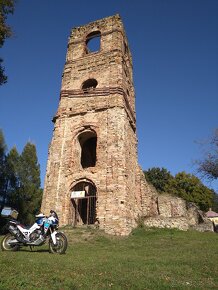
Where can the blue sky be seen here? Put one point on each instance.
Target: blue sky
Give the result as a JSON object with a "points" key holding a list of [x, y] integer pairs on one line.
{"points": [[174, 45]]}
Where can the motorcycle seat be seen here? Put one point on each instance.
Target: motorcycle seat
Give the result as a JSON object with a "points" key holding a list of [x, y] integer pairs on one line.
{"points": [[25, 226], [15, 222]]}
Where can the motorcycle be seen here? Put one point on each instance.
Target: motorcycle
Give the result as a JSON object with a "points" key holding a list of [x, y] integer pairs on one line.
{"points": [[44, 228]]}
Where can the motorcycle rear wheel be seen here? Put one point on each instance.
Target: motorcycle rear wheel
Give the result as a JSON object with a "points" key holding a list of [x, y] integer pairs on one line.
{"points": [[61, 245], [5, 243]]}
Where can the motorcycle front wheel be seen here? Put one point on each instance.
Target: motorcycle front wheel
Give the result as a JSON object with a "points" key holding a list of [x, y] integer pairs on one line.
{"points": [[61, 244], [5, 243]]}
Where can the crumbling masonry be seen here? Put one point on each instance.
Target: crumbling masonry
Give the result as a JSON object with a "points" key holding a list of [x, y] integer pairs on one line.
{"points": [[93, 176]]}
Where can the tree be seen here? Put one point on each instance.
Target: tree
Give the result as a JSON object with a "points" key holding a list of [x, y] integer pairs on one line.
{"points": [[20, 180], [3, 78], [30, 193], [209, 166], [158, 177], [6, 7], [184, 185], [215, 203], [3, 179], [12, 172], [190, 188]]}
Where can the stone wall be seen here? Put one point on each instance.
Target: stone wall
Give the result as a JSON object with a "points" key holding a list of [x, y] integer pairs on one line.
{"points": [[106, 110], [175, 212]]}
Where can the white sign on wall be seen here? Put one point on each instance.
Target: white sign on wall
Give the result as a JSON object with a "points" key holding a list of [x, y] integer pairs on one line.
{"points": [[78, 194]]}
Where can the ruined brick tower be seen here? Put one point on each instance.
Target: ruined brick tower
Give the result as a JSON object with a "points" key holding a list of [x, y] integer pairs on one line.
{"points": [[92, 171]]}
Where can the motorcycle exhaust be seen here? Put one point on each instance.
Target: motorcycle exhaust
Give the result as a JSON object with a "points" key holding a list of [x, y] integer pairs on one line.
{"points": [[13, 242]]}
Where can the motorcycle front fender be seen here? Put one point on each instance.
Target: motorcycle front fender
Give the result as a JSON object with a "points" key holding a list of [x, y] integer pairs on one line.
{"points": [[53, 237]]}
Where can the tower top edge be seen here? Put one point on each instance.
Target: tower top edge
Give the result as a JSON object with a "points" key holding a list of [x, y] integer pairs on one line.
{"points": [[109, 20]]}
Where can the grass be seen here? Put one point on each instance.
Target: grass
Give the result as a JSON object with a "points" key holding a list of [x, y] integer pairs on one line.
{"points": [[147, 259]]}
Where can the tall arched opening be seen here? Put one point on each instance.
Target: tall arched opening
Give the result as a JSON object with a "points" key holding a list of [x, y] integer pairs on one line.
{"points": [[88, 143], [83, 198]]}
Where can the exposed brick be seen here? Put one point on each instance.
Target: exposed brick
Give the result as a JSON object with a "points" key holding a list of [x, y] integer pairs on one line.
{"points": [[105, 111]]}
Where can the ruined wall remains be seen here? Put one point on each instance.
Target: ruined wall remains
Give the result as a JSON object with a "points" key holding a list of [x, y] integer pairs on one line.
{"points": [[174, 212], [93, 176], [97, 105]]}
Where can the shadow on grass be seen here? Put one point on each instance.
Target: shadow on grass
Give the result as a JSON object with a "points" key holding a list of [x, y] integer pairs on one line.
{"points": [[34, 250]]}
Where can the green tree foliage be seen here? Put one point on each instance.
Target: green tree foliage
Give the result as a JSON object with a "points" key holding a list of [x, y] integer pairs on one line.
{"points": [[158, 177], [3, 179], [209, 166], [13, 181], [215, 203], [3, 78], [6, 7], [191, 189], [29, 178], [20, 180], [184, 185]]}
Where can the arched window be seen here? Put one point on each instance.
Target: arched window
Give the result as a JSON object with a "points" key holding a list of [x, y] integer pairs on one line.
{"points": [[93, 42], [89, 85], [85, 207], [88, 143]]}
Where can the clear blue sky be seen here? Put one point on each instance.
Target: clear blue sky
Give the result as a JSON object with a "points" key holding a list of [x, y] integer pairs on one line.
{"points": [[174, 44]]}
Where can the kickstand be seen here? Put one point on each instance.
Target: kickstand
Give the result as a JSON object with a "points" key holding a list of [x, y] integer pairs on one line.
{"points": [[31, 248]]}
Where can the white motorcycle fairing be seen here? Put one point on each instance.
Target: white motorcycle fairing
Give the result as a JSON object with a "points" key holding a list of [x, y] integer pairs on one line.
{"points": [[27, 232]]}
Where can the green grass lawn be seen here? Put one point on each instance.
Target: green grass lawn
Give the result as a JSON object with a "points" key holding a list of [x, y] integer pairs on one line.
{"points": [[147, 259]]}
